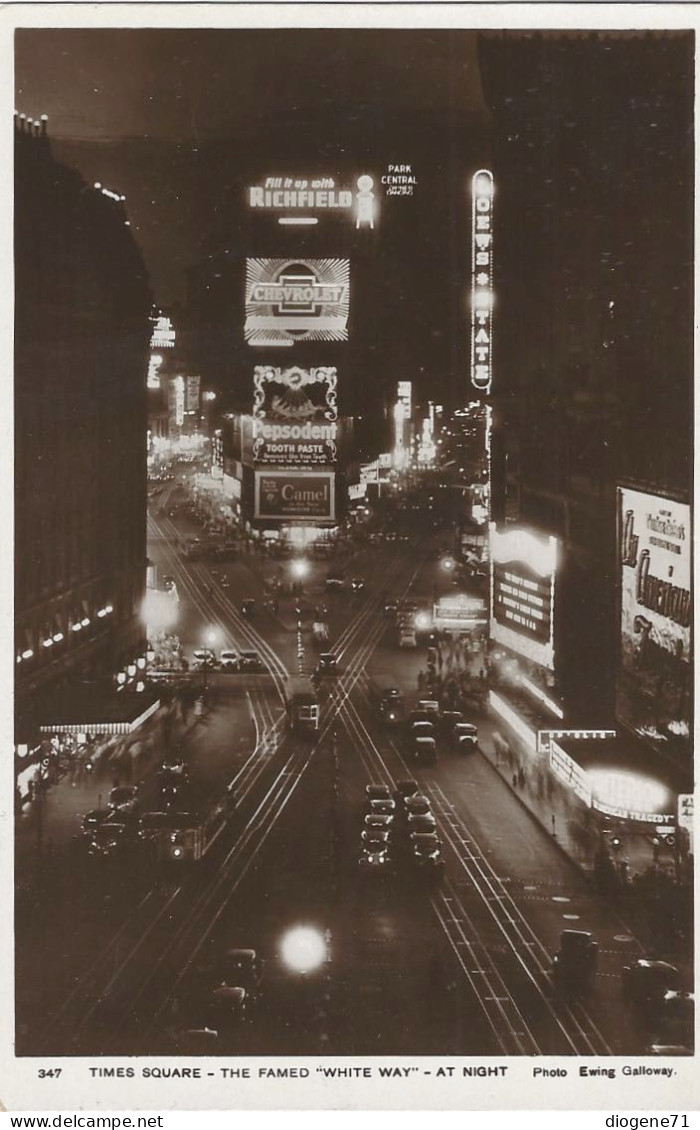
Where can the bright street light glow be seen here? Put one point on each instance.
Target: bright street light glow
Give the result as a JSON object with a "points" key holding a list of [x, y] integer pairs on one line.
{"points": [[303, 949], [422, 620], [299, 567]]}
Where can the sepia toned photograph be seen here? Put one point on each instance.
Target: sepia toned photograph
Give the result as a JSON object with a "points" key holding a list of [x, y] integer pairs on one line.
{"points": [[353, 432]]}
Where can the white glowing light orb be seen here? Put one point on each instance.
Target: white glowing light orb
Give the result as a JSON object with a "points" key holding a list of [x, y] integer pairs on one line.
{"points": [[299, 568], [303, 949], [422, 620]]}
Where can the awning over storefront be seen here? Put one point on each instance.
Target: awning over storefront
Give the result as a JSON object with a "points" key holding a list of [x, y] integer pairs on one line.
{"points": [[97, 712]]}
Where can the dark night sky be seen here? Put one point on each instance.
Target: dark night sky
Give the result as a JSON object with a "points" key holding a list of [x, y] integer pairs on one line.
{"points": [[140, 109]]}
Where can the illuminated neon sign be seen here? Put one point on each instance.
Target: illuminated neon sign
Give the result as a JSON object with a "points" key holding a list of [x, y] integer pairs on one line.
{"points": [[296, 300], [482, 280], [295, 393], [522, 593], [293, 195]]}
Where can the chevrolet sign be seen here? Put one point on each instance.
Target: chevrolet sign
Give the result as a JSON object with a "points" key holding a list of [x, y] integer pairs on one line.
{"points": [[296, 300]]}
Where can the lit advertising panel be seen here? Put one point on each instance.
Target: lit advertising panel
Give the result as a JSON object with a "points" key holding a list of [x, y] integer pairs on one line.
{"points": [[295, 394], [302, 200], [482, 280], [289, 445], [294, 495], [289, 300], [523, 568], [654, 573]]}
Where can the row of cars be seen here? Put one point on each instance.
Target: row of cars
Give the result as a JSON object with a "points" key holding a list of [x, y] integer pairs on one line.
{"points": [[217, 1002], [122, 823], [229, 659], [428, 727], [399, 832]]}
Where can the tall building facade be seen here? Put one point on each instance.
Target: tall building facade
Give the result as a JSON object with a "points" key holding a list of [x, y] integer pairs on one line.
{"points": [[593, 355], [82, 302]]}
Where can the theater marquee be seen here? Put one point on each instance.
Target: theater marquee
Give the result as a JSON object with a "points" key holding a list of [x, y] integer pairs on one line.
{"points": [[522, 603], [289, 300]]}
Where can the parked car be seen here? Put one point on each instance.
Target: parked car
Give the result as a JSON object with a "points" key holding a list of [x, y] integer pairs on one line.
{"points": [[229, 660], [203, 659], [249, 661]]}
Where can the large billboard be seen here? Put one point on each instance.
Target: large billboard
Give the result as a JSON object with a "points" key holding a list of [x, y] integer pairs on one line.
{"points": [[295, 495], [288, 444], [654, 574], [523, 570], [295, 394], [290, 300]]}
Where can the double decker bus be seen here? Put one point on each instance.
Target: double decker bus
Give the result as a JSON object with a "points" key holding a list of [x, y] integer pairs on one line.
{"points": [[302, 706]]}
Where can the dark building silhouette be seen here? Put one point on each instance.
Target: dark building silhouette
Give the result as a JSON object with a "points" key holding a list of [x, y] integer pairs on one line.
{"points": [[81, 351], [593, 342]]}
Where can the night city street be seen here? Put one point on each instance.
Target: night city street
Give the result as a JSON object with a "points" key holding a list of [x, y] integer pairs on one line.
{"points": [[353, 434]]}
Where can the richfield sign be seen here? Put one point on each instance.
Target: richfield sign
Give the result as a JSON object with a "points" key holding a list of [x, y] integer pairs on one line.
{"points": [[295, 395], [289, 496], [482, 280], [296, 300], [293, 196]]}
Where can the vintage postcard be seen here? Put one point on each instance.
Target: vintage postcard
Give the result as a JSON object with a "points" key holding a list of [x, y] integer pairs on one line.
{"points": [[352, 403]]}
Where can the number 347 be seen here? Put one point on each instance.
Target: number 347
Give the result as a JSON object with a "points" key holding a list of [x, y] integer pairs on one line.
{"points": [[49, 1072]]}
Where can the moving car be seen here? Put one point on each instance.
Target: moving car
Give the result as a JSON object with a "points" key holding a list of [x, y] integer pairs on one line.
{"points": [[375, 834], [405, 787], [107, 838], [426, 852], [335, 580], [95, 817], [327, 663], [574, 962], [465, 736], [375, 855], [647, 980], [382, 807], [379, 821], [357, 584], [417, 805], [240, 967], [151, 824], [378, 792], [124, 797], [248, 607], [423, 822]]}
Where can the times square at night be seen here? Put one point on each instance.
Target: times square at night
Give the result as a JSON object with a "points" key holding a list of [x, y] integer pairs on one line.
{"points": [[353, 432]]}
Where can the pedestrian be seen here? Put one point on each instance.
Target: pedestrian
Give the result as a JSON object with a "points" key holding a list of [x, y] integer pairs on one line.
{"points": [[521, 777], [515, 780]]}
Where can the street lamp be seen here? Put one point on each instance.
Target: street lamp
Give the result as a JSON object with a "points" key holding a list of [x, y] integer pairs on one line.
{"points": [[299, 568], [303, 949]]}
